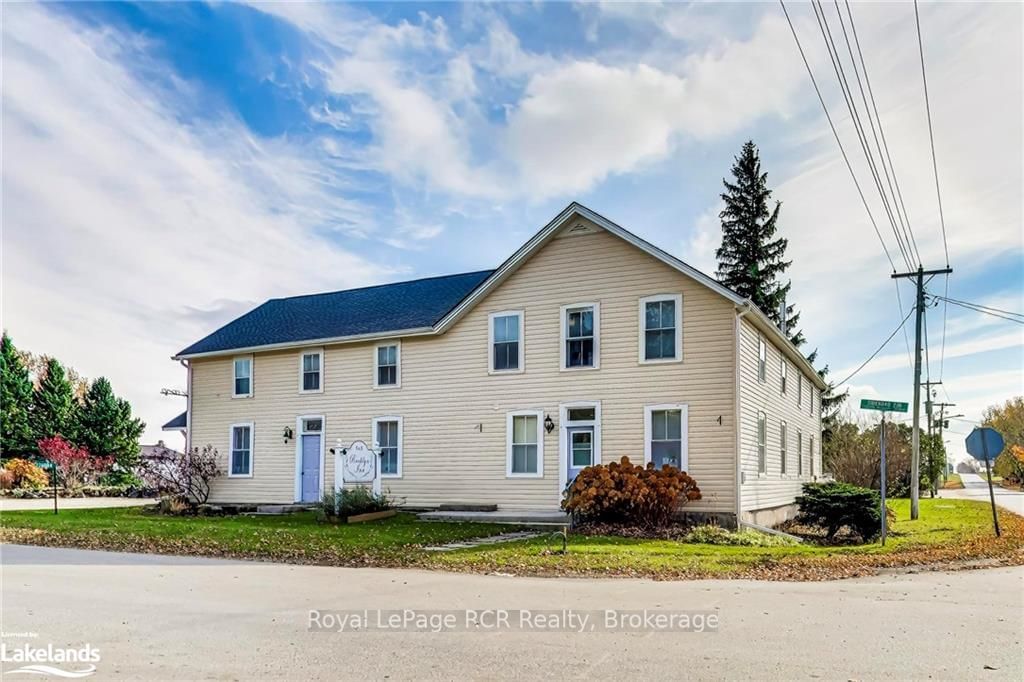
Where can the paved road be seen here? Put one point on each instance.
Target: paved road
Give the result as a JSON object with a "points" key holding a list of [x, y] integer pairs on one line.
{"points": [[177, 618], [976, 488], [11, 504]]}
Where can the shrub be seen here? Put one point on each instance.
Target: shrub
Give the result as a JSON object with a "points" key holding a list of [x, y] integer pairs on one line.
{"points": [[26, 475], [709, 534], [1010, 465], [76, 466], [185, 475], [625, 493], [342, 503], [836, 505], [6, 479]]}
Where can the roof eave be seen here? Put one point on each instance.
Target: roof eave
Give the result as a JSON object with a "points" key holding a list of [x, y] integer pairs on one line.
{"points": [[306, 343]]}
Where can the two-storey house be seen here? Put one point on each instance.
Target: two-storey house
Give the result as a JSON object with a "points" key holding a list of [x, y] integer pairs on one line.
{"points": [[498, 386]]}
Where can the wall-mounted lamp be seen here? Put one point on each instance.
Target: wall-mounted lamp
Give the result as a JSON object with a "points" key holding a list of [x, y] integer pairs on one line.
{"points": [[549, 425], [288, 434]]}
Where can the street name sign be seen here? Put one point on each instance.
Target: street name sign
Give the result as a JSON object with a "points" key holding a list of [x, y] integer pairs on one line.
{"points": [[883, 405]]}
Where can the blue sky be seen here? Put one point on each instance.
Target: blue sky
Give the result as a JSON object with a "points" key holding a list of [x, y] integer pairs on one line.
{"points": [[168, 166]]}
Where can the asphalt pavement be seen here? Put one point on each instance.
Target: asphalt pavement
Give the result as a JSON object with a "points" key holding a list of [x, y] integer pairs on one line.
{"points": [[155, 618]]}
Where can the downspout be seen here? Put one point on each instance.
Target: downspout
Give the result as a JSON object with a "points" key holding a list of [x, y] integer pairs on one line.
{"points": [[188, 404], [741, 310]]}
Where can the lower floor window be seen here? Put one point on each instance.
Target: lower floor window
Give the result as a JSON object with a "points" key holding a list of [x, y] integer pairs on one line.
{"points": [[667, 438], [524, 444], [388, 440], [241, 450]]}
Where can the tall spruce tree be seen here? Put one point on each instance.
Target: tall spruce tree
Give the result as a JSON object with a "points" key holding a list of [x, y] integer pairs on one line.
{"points": [[751, 259], [106, 426], [15, 402], [53, 404]]}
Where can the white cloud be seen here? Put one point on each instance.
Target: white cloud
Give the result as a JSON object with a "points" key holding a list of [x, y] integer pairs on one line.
{"points": [[120, 220]]}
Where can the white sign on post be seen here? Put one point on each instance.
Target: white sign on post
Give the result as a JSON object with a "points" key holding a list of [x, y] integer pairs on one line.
{"points": [[357, 464]]}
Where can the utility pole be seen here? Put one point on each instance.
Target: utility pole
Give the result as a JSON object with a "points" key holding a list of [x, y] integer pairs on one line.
{"points": [[929, 393], [915, 461], [942, 424]]}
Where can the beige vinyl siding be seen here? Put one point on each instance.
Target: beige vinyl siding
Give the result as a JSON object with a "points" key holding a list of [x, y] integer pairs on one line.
{"points": [[454, 412], [773, 488]]}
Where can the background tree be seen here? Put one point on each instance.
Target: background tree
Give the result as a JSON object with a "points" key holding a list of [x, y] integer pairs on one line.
{"points": [[16, 436], [53, 403], [36, 365], [1007, 419], [106, 427], [752, 260]]}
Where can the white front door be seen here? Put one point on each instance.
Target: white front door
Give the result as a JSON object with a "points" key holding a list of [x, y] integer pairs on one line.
{"points": [[581, 450]]}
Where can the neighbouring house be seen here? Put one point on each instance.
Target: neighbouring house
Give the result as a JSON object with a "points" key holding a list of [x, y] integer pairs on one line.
{"points": [[498, 386], [153, 458]]}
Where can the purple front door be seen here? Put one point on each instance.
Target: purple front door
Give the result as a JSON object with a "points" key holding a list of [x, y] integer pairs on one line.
{"points": [[311, 468]]}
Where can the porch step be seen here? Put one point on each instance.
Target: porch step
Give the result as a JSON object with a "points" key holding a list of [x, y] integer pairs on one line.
{"points": [[521, 518], [278, 509], [468, 507]]}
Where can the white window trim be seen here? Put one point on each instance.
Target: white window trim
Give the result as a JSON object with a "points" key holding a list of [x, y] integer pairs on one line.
{"points": [[539, 414], [810, 449], [783, 448], [311, 351], [762, 377], [490, 342], [401, 445], [252, 447], [800, 453], [684, 431], [800, 389], [299, 431], [252, 371], [759, 444], [641, 351], [563, 336], [783, 375], [397, 343], [563, 437]]}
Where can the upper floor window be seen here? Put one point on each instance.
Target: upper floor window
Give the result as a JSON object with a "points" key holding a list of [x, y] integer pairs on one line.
{"points": [[762, 359], [762, 442], [241, 450], [660, 333], [388, 366], [784, 369], [311, 371], [580, 328], [525, 444], [506, 341], [799, 390], [242, 384], [387, 439], [810, 401]]}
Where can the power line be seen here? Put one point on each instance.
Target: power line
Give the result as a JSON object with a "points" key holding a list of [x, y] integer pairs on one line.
{"points": [[945, 310], [980, 305], [982, 309], [881, 130], [844, 85], [839, 142], [906, 339], [879, 350], [931, 136]]}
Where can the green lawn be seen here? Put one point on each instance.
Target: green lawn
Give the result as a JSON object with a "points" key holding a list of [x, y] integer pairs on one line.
{"points": [[947, 531], [294, 537]]}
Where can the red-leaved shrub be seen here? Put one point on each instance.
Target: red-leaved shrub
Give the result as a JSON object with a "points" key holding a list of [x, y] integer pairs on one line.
{"points": [[626, 493], [76, 466]]}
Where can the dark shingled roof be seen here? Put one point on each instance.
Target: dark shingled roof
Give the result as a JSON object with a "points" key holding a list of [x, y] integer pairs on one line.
{"points": [[179, 422], [370, 310]]}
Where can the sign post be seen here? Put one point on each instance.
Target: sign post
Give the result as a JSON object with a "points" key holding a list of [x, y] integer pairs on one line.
{"points": [[883, 406], [985, 443]]}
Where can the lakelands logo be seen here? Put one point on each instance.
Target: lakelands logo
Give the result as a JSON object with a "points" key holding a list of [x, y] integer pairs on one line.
{"points": [[38, 660]]}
